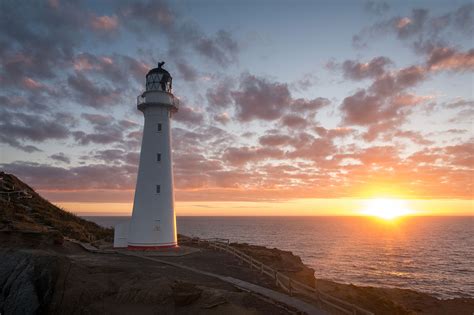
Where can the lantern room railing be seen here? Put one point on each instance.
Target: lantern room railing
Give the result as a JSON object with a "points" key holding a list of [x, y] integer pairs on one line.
{"points": [[141, 99]]}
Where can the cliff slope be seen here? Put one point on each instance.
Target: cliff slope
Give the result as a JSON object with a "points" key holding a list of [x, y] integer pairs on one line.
{"points": [[22, 209]]}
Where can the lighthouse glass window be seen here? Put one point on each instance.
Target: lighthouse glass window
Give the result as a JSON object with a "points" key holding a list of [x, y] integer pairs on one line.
{"points": [[158, 189], [153, 82], [159, 127]]}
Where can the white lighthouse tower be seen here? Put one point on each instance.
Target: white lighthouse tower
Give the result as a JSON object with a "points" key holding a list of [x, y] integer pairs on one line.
{"points": [[153, 223]]}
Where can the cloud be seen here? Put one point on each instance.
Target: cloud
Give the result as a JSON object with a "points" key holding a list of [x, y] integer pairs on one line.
{"points": [[379, 155], [101, 138], [294, 121], [362, 108], [223, 49], [445, 58], [37, 41], [97, 119], [223, 118], [188, 115], [92, 176], [421, 29], [106, 130], [274, 140], [393, 83], [407, 27], [258, 98], [312, 148], [376, 7], [181, 35], [219, 96], [115, 69], [104, 23], [461, 154], [301, 105], [109, 155], [243, 155], [61, 157], [187, 71], [384, 105], [16, 127], [357, 71], [90, 93], [458, 155], [31, 84], [463, 18], [139, 15], [460, 103], [339, 132]]}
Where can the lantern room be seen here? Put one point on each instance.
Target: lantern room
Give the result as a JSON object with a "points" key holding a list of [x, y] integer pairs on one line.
{"points": [[158, 79]]}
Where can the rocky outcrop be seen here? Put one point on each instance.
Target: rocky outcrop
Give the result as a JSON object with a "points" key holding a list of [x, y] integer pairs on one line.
{"points": [[378, 300], [27, 280], [283, 261]]}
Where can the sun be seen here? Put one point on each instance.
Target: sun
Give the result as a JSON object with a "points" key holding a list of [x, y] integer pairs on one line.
{"points": [[386, 208]]}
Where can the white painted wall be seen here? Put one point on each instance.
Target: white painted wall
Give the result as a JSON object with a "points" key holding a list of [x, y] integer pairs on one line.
{"points": [[153, 220], [121, 234]]}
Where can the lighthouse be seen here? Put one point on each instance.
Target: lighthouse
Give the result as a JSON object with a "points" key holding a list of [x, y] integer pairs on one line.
{"points": [[153, 222]]}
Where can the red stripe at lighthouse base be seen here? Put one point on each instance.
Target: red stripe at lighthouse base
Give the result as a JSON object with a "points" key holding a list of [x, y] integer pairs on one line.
{"points": [[149, 248]]}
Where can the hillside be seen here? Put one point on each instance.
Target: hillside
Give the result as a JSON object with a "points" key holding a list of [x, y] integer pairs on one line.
{"points": [[22, 209]]}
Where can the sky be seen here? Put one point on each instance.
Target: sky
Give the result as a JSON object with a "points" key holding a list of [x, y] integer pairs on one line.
{"points": [[286, 107]]}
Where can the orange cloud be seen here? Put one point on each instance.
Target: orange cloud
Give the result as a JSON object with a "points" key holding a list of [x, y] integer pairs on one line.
{"points": [[105, 23], [445, 58]]}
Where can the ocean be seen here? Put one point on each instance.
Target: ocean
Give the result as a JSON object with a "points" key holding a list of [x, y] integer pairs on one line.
{"points": [[427, 254]]}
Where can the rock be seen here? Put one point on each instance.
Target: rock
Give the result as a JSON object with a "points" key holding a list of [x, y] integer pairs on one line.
{"points": [[26, 282], [145, 292], [185, 293]]}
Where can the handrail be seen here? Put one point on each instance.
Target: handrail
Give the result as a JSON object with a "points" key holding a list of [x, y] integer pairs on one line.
{"points": [[285, 282], [141, 100]]}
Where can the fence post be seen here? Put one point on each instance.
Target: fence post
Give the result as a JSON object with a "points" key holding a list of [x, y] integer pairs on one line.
{"points": [[276, 278]]}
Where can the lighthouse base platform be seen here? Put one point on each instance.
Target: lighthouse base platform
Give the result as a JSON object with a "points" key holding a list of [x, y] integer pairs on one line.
{"points": [[170, 252], [121, 241], [157, 247]]}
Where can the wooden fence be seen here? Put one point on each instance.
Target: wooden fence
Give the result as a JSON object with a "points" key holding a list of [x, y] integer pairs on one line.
{"points": [[283, 281]]}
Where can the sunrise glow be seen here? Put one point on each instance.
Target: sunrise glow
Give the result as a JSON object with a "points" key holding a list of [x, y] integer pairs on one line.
{"points": [[386, 208], [310, 117]]}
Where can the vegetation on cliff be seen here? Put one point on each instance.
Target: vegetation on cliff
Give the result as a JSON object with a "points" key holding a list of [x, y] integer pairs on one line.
{"points": [[22, 209]]}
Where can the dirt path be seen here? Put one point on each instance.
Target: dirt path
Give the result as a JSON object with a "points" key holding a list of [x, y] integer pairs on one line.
{"points": [[271, 294]]}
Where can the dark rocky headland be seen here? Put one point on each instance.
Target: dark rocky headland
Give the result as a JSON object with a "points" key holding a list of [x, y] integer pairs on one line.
{"points": [[42, 272]]}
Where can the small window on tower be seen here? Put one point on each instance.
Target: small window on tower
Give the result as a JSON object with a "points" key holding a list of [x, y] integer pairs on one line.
{"points": [[158, 189], [159, 128], [158, 157]]}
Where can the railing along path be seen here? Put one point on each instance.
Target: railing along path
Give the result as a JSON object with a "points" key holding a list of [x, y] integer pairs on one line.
{"points": [[283, 281]]}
